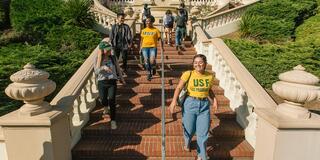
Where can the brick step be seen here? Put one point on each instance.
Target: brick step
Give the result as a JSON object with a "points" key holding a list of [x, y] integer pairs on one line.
{"points": [[169, 51], [166, 61], [156, 88], [135, 73], [155, 112], [152, 127], [151, 100], [166, 56], [150, 146], [181, 66], [167, 48], [156, 79]]}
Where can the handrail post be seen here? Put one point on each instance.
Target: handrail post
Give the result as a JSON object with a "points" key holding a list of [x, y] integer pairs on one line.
{"points": [[163, 144]]}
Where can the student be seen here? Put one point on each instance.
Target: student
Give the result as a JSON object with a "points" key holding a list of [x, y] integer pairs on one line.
{"points": [[149, 39], [196, 107], [107, 69], [121, 39], [181, 25], [168, 21]]}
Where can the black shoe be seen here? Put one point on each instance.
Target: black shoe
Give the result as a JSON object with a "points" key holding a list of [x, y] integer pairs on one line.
{"points": [[149, 77], [177, 47], [154, 71]]}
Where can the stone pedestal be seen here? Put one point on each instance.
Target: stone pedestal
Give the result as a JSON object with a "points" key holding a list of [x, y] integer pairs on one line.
{"points": [[35, 131], [279, 137], [290, 131], [43, 137]]}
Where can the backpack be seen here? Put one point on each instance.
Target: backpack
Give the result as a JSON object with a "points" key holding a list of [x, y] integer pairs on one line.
{"points": [[181, 21], [168, 20]]}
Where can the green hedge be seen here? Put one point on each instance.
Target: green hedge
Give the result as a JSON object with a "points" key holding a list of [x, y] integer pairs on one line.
{"points": [[266, 62], [58, 46], [309, 32], [274, 20], [35, 17]]}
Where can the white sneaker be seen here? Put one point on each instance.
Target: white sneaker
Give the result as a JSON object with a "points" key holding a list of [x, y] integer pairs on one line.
{"points": [[113, 125]]}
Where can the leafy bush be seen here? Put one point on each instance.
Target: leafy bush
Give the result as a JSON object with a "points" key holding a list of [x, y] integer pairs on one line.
{"points": [[71, 38], [77, 12], [309, 32], [63, 47], [266, 62], [35, 17], [263, 28], [275, 21]]}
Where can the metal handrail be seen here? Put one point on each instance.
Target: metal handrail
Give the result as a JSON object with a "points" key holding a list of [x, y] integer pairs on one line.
{"points": [[163, 114]]}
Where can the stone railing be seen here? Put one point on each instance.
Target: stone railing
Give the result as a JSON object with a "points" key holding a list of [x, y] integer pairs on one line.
{"points": [[224, 22], [240, 87], [109, 3], [77, 97], [104, 17], [200, 2]]}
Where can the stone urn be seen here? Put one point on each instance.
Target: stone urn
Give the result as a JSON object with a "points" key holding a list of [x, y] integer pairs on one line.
{"points": [[128, 11], [31, 85], [195, 11], [296, 88]]}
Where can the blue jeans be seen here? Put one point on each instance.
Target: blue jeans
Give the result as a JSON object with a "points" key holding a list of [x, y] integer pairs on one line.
{"points": [[180, 33], [149, 53], [196, 118]]}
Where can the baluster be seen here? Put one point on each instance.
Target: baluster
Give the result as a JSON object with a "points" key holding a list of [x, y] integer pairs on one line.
{"points": [[104, 23], [227, 81], [84, 108], [77, 118]]}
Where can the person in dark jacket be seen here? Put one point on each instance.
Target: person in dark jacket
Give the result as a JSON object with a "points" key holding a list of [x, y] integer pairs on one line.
{"points": [[121, 39]]}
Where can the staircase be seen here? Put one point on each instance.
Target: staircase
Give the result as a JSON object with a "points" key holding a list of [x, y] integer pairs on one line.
{"points": [[138, 135]]}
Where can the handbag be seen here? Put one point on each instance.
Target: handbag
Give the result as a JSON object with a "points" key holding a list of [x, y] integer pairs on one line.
{"points": [[184, 93]]}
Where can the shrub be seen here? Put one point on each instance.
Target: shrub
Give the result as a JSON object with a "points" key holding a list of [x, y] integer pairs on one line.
{"points": [[266, 62], [35, 17], [275, 21], [309, 32], [77, 12], [68, 38], [265, 28]]}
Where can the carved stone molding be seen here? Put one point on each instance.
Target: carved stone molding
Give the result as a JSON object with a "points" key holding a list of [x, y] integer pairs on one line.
{"points": [[31, 85]]}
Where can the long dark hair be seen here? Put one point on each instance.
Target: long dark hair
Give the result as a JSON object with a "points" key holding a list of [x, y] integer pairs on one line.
{"points": [[203, 57]]}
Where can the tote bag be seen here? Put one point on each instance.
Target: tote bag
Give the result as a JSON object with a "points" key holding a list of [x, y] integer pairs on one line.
{"points": [[184, 93]]}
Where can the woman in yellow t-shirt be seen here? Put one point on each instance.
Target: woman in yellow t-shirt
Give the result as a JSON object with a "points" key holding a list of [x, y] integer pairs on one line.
{"points": [[149, 39], [196, 107]]}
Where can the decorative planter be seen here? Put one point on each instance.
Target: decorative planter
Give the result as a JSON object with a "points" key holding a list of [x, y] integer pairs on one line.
{"points": [[296, 88], [31, 85]]}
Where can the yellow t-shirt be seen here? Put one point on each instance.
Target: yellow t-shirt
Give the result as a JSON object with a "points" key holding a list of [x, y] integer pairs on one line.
{"points": [[150, 37], [199, 84]]}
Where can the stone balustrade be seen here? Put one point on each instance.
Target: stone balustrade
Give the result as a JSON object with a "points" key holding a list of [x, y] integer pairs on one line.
{"points": [[200, 2], [224, 22], [105, 17], [240, 87]]}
